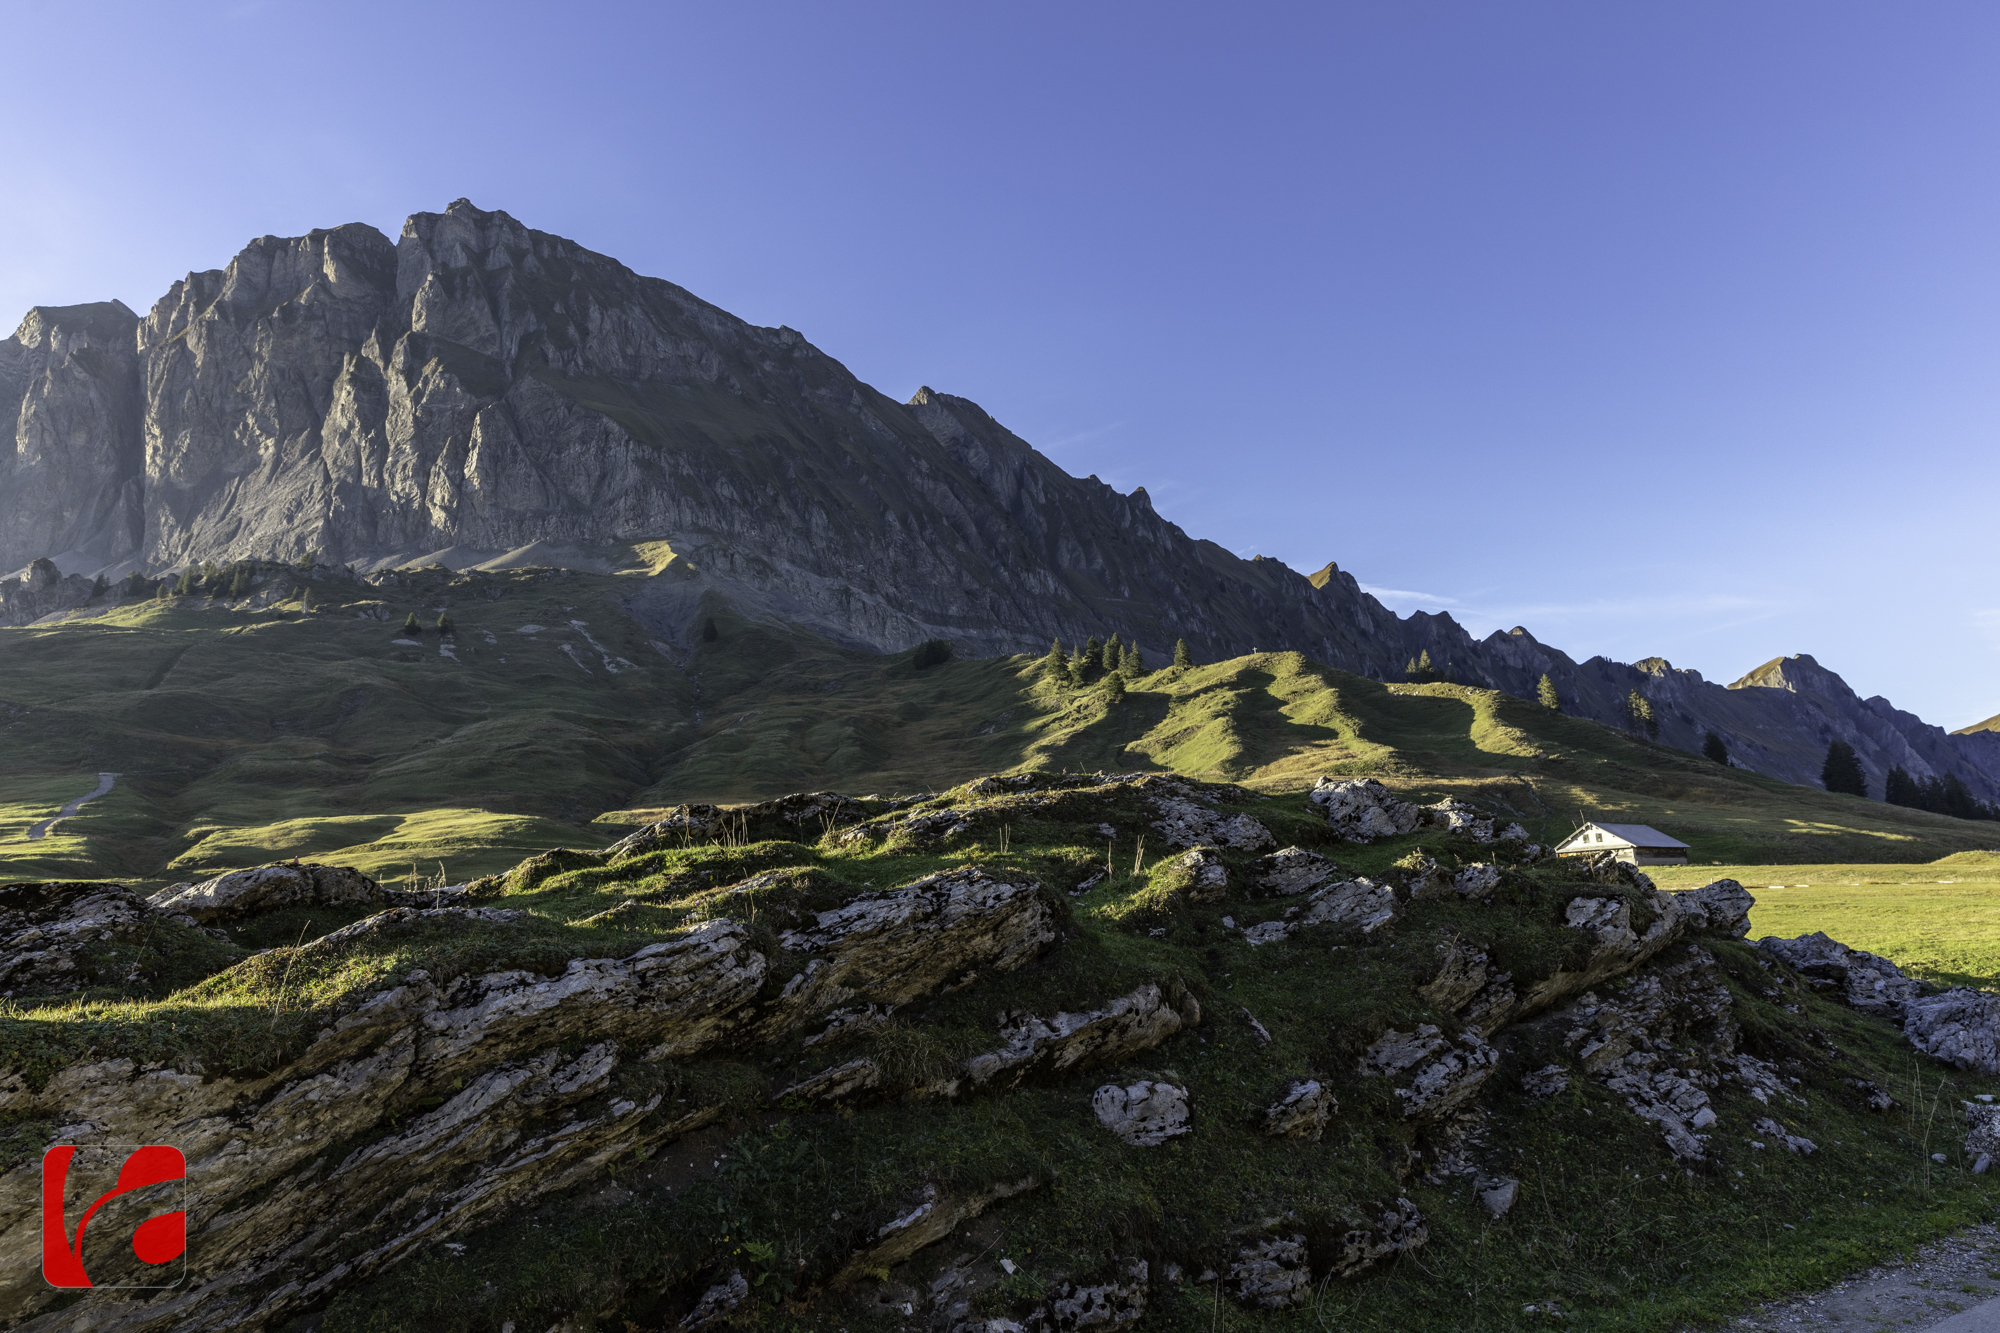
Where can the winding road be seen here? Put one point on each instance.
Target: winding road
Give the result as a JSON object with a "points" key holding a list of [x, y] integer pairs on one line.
{"points": [[105, 782]]}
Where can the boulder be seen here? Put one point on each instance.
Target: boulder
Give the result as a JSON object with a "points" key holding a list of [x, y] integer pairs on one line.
{"points": [[1462, 973], [1184, 823], [1292, 871], [1201, 872], [1358, 902], [1302, 1113], [1123, 1028], [242, 893], [1272, 1274], [1871, 984], [1145, 1115], [1960, 1026], [718, 1304], [682, 826], [1498, 1196], [1101, 1305], [1718, 908], [1435, 1075], [1396, 1229], [894, 945], [1670, 1099], [1771, 1129], [1455, 816], [1362, 809]]}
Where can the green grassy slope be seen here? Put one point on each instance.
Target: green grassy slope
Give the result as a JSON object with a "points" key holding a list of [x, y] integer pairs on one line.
{"points": [[244, 734]]}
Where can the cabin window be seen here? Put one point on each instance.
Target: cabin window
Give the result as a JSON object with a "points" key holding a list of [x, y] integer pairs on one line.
{"points": [[1600, 838]]}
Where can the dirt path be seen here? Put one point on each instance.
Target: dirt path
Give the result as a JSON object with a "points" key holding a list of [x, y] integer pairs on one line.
{"points": [[1959, 1273], [105, 782]]}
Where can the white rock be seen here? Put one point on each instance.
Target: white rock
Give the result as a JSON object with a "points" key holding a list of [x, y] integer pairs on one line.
{"points": [[1362, 809], [1272, 1274], [1146, 1114], [1302, 1113]]}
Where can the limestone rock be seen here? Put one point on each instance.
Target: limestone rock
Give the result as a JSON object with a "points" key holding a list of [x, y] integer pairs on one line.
{"points": [[1462, 973], [1427, 879], [242, 893], [1399, 1227], [1670, 1099], [1272, 1274], [1102, 1305], [1718, 908], [1358, 902], [1129, 1024], [1498, 1196], [682, 826], [840, 1083], [1292, 871], [1869, 983], [1961, 1027], [1202, 871], [934, 1217], [1145, 1115], [1362, 809], [1455, 816], [1184, 823], [62, 936], [1435, 1076], [1475, 880], [897, 944], [1302, 1113], [1982, 1129], [718, 1303]]}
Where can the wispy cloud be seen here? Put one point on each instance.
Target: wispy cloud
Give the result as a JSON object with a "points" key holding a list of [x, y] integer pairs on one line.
{"points": [[1084, 436]]}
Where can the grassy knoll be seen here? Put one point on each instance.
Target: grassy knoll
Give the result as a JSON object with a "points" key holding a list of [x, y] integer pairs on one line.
{"points": [[553, 715]]}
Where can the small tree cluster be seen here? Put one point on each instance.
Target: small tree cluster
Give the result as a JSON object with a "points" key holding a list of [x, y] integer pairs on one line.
{"points": [[1842, 770], [1094, 662], [1713, 747], [1941, 795], [1419, 670], [1639, 715], [930, 653]]}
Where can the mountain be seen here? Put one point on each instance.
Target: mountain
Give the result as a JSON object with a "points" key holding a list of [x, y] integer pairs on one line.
{"points": [[480, 394]]}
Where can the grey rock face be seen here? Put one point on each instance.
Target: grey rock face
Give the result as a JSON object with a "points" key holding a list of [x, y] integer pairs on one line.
{"points": [[243, 893], [1292, 870], [1302, 1113], [1145, 1114], [1435, 1076], [1272, 1274], [1866, 981], [1102, 1305], [1398, 1228], [1723, 908], [1204, 873], [1183, 823], [1122, 1028], [1960, 1027], [1362, 809]]}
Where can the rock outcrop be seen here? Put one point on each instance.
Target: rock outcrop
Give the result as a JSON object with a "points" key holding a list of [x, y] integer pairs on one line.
{"points": [[1144, 1114]]}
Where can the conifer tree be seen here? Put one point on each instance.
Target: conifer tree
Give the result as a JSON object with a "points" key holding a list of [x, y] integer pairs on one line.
{"points": [[1114, 687], [1080, 665], [186, 586], [1093, 652], [445, 625], [1546, 696], [100, 586], [1114, 654], [1712, 746], [1639, 714], [1055, 666], [410, 626], [1182, 657], [1410, 669], [239, 584], [1135, 663], [1842, 770], [1899, 788]]}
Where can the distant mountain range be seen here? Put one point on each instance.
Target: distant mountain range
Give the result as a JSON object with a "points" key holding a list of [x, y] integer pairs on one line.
{"points": [[480, 393]]}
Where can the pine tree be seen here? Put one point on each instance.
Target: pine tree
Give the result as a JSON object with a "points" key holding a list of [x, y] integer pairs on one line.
{"points": [[186, 586], [1080, 664], [1639, 714], [411, 629], [1422, 671], [1114, 687], [1410, 669], [1712, 746], [1135, 663], [1899, 788], [1842, 770], [239, 584], [100, 586], [1055, 666], [1093, 652], [445, 625], [1182, 657], [1546, 696]]}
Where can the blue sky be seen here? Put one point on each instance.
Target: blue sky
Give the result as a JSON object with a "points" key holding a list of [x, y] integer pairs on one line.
{"points": [[1663, 329]]}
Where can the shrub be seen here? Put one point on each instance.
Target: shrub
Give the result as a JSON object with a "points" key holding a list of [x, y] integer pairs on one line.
{"points": [[930, 653]]}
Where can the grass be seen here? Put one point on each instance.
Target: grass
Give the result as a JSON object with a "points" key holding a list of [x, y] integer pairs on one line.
{"points": [[1607, 1225], [249, 731], [1939, 920]]}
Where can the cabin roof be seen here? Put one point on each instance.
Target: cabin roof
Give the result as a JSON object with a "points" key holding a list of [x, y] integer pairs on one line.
{"points": [[1638, 835]]}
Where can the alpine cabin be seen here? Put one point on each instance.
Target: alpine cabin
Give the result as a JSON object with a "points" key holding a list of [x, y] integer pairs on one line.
{"points": [[1634, 844]]}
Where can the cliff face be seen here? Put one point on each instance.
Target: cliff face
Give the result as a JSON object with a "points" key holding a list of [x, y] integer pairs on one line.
{"points": [[477, 387]]}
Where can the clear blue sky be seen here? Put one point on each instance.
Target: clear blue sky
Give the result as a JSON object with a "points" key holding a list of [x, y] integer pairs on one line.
{"points": [[1660, 329]]}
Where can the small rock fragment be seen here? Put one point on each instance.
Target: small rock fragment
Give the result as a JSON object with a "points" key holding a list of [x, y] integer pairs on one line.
{"points": [[717, 1303], [1498, 1195]]}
